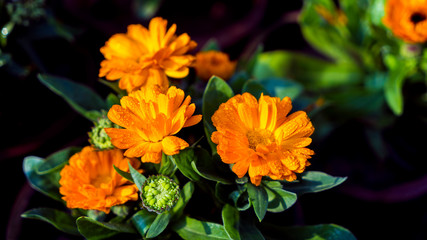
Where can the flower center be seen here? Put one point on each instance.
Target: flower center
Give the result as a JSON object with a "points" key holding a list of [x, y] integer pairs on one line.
{"points": [[259, 136], [105, 178], [417, 17]]}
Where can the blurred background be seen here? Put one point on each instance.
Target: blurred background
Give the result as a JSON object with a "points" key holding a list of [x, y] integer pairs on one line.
{"points": [[384, 196]]}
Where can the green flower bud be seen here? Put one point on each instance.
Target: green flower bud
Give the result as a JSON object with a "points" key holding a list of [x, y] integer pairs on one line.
{"points": [[98, 137], [159, 194]]}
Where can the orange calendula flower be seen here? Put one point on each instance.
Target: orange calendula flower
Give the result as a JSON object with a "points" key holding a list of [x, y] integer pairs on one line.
{"points": [[259, 138], [90, 181], [407, 19], [150, 118], [214, 63], [144, 57]]}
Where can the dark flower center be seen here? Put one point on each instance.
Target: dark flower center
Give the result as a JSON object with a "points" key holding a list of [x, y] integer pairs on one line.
{"points": [[417, 17]]}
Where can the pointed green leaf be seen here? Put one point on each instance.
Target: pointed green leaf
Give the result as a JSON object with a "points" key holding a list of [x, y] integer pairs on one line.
{"points": [[217, 91], [45, 183], [83, 99], [394, 84], [231, 221], [137, 177], [111, 100], [94, 230], [212, 168], [255, 88], [249, 231], [185, 196], [193, 229], [313, 181], [238, 80], [159, 224], [60, 220], [167, 166], [122, 173], [259, 199], [318, 232], [142, 220], [183, 161], [57, 160], [278, 199]]}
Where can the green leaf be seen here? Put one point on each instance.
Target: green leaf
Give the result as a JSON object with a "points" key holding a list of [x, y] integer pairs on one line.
{"points": [[183, 161], [190, 228], [217, 91], [57, 160], [312, 72], [331, 40], [46, 183], [212, 168], [142, 220], [238, 80], [278, 199], [93, 230], [249, 231], [146, 9], [211, 44], [273, 86], [167, 166], [159, 224], [313, 181], [60, 220], [394, 84], [137, 177], [124, 174], [185, 196], [83, 99], [315, 232], [255, 88], [111, 100], [231, 221], [259, 199]]}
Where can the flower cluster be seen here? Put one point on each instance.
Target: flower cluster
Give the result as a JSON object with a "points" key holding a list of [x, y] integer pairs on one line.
{"points": [[143, 160]]}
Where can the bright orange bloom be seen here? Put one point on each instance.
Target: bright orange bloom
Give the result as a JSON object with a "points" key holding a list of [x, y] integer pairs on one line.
{"points": [[144, 57], [151, 118], [259, 137], [214, 63], [89, 181], [407, 19]]}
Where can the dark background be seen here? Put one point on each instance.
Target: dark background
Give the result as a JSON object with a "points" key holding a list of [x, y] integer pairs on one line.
{"points": [[382, 199]]}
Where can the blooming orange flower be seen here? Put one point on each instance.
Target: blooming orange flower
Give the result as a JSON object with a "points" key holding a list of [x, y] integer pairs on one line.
{"points": [[407, 19], [89, 181], [214, 63], [143, 57], [151, 118], [259, 137]]}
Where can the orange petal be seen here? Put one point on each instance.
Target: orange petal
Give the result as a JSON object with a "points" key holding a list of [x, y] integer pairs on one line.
{"points": [[171, 145], [123, 138]]}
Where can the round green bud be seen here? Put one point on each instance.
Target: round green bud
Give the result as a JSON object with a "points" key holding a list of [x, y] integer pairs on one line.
{"points": [[98, 137], [160, 193]]}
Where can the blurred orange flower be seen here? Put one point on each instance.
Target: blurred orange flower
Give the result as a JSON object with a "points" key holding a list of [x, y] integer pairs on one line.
{"points": [[89, 181], [407, 19], [259, 137], [143, 57], [151, 118], [214, 63]]}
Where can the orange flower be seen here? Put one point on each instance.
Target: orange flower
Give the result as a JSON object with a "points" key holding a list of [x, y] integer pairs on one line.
{"points": [[407, 19], [258, 137], [144, 57], [151, 118], [91, 182], [214, 63]]}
